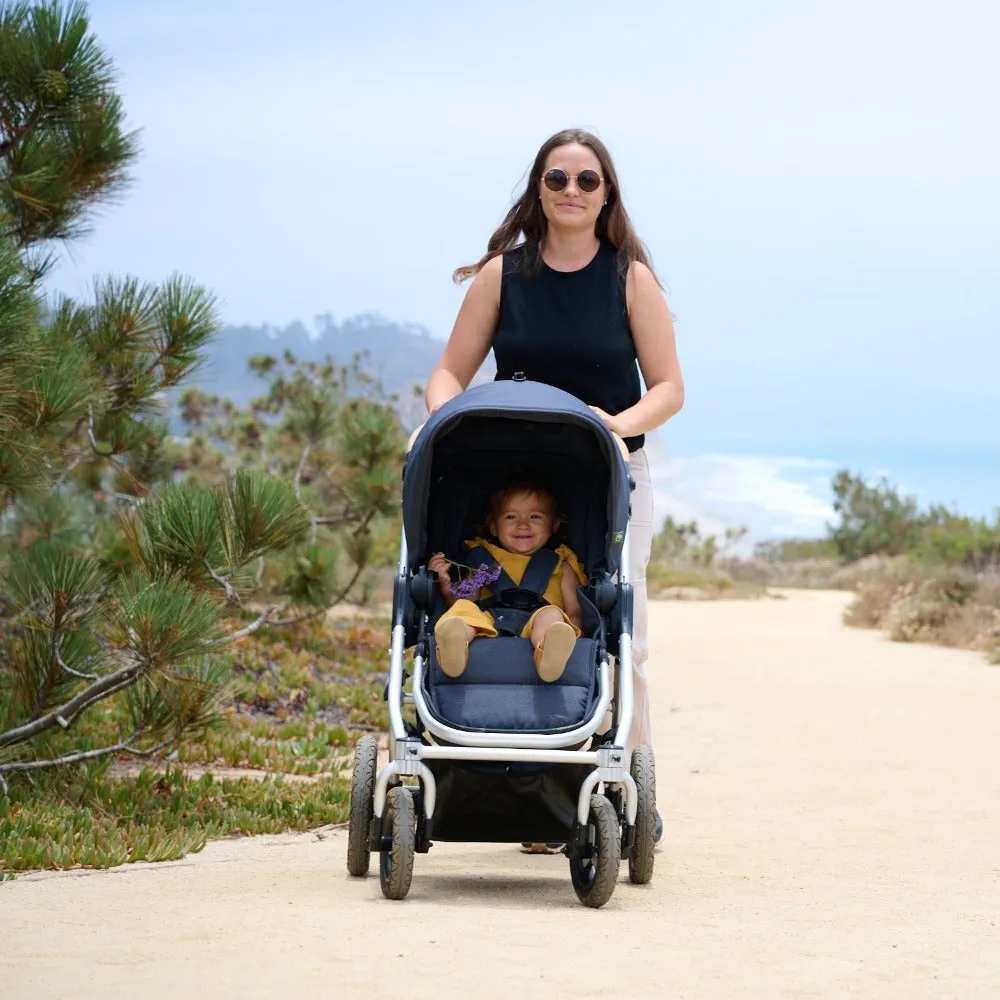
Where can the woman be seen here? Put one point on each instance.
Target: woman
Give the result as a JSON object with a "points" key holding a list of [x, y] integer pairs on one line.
{"points": [[576, 305]]}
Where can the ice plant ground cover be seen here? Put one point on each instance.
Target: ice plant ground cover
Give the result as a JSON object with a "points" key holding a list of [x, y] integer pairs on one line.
{"points": [[297, 700]]}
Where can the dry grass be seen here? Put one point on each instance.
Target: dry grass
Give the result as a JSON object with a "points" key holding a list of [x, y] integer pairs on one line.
{"points": [[799, 574], [805, 574], [753, 578], [687, 583], [944, 606]]}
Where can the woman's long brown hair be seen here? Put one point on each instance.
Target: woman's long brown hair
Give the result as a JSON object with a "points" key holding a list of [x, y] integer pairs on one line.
{"points": [[526, 216]]}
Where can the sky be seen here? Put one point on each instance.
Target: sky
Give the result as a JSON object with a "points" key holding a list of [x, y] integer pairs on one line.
{"points": [[816, 182]]}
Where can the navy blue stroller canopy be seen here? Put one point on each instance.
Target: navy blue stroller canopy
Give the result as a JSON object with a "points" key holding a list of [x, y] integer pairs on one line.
{"points": [[507, 431]]}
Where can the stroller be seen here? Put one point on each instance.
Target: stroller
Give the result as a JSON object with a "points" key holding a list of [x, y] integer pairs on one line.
{"points": [[497, 755]]}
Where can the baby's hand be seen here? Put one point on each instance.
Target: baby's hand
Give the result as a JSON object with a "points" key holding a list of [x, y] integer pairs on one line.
{"points": [[438, 564]]}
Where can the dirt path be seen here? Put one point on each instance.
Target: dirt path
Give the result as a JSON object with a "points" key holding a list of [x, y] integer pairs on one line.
{"points": [[832, 803]]}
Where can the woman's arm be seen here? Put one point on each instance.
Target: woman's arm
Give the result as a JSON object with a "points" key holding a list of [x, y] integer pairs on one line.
{"points": [[656, 350], [471, 337]]}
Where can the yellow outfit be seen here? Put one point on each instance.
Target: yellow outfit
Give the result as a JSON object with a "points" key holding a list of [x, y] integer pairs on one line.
{"points": [[514, 564]]}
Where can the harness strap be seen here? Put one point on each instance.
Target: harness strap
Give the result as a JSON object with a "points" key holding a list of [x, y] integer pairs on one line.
{"points": [[539, 571], [534, 582], [503, 581]]}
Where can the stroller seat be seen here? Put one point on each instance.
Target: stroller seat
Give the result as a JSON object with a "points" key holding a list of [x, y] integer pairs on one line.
{"points": [[500, 690]]}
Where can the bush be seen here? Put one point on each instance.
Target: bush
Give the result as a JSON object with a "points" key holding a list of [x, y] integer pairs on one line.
{"points": [[951, 539], [874, 519], [951, 607], [686, 564]]}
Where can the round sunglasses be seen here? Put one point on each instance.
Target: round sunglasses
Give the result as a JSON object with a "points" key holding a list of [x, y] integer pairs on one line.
{"points": [[586, 180]]}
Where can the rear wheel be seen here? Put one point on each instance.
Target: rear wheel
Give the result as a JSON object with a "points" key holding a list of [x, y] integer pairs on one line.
{"points": [[362, 803], [400, 823], [594, 870], [640, 862]]}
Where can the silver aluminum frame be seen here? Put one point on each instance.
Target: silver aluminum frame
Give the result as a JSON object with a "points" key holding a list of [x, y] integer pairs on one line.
{"points": [[408, 754]]}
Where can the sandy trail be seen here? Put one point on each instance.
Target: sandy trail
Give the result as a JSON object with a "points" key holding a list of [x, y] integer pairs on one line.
{"points": [[832, 806]]}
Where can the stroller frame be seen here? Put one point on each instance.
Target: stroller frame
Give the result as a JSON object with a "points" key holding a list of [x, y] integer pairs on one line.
{"points": [[392, 808], [409, 753]]}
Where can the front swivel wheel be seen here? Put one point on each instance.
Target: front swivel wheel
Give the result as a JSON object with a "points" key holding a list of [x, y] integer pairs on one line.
{"points": [[593, 866], [396, 859]]}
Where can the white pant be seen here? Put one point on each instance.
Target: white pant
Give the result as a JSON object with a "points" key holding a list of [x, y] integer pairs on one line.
{"points": [[640, 544]]}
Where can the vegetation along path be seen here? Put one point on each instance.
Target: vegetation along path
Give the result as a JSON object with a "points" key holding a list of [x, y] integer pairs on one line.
{"points": [[831, 803]]}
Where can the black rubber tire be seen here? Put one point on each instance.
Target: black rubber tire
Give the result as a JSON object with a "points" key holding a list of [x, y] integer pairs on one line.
{"points": [[362, 802], [641, 861], [594, 878], [396, 865]]}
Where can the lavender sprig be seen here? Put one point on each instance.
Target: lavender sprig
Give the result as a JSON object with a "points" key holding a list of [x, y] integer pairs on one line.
{"points": [[482, 576]]}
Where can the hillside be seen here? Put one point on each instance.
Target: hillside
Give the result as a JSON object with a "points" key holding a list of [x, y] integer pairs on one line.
{"points": [[399, 355]]}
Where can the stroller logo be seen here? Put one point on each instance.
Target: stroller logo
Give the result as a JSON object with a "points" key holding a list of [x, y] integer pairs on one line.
{"points": [[619, 537]]}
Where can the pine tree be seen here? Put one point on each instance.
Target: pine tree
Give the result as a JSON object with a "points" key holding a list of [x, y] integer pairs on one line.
{"points": [[63, 147], [116, 579], [330, 431]]}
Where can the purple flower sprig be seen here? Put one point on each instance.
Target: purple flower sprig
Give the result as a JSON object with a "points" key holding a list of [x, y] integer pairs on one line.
{"points": [[478, 578]]}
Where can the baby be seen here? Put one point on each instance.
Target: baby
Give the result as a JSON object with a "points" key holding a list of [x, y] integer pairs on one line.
{"points": [[522, 519]]}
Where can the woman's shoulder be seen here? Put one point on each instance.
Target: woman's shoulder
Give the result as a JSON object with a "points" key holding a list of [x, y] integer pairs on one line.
{"points": [[491, 272], [640, 283]]}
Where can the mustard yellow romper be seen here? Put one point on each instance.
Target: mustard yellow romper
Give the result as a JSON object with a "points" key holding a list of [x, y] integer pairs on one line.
{"points": [[514, 564]]}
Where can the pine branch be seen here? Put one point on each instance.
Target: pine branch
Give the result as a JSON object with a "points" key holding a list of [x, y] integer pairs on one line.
{"points": [[252, 627], [71, 434], [302, 618], [21, 132], [350, 586], [66, 714], [93, 440], [69, 670], [334, 521], [111, 457], [297, 481], [68, 470], [322, 611], [123, 746], [223, 581]]}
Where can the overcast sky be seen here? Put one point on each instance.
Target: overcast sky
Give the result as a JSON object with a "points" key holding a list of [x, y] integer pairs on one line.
{"points": [[816, 181]]}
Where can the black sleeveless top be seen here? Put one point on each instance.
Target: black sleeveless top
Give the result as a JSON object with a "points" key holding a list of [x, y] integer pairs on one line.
{"points": [[569, 329]]}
